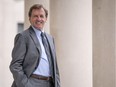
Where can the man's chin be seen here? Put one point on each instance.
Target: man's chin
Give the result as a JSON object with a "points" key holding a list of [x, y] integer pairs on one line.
{"points": [[40, 28]]}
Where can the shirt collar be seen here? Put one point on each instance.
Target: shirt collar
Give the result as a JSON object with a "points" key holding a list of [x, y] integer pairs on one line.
{"points": [[37, 31]]}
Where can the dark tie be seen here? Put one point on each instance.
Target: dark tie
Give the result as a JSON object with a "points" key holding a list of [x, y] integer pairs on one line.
{"points": [[47, 50]]}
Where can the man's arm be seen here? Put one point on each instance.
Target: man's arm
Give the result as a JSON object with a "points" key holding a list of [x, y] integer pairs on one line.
{"points": [[57, 70], [16, 66]]}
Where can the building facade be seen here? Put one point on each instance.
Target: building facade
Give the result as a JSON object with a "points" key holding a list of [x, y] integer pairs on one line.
{"points": [[11, 21], [84, 32]]}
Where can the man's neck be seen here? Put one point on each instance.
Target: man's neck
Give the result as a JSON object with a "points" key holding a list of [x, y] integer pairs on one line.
{"points": [[42, 30]]}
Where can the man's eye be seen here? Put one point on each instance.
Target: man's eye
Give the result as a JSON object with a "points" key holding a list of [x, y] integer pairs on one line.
{"points": [[35, 16], [41, 16]]}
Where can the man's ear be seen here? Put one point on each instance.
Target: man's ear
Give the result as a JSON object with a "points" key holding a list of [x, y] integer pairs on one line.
{"points": [[46, 19], [29, 19]]}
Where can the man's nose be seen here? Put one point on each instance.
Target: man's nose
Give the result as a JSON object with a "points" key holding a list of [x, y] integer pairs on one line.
{"points": [[38, 18]]}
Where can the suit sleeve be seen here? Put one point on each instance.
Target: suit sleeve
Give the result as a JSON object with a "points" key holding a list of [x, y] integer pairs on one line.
{"points": [[57, 76], [57, 70], [18, 55]]}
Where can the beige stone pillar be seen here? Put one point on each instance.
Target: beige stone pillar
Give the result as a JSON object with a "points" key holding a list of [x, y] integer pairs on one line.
{"points": [[115, 42], [71, 25], [104, 43], [28, 4]]}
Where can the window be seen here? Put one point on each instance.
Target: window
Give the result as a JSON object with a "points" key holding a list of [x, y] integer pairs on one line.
{"points": [[20, 27]]}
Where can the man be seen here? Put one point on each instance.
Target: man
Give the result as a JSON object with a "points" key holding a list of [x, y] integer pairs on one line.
{"points": [[33, 57]]}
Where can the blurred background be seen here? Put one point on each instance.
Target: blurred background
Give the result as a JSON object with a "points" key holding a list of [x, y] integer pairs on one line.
{"points": [[84, 32], [11, 22]]}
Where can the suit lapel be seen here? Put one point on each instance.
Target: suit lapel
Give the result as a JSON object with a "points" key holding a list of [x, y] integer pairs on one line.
{"points": [[52, 49], [50, 42], [34, 38]]}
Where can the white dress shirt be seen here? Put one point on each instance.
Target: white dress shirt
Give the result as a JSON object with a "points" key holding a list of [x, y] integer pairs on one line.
{"points": [[43, 67]]}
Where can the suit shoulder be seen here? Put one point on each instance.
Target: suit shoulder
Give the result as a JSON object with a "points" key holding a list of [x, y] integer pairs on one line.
{"points": [[49, 35], [24, 33]]}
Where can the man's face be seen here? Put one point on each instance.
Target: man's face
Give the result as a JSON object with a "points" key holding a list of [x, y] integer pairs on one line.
{"points": [[38, 18]]}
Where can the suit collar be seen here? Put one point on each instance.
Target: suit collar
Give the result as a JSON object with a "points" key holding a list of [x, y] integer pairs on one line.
{"points": [[49, 38], [50, 41], [34, 38]]}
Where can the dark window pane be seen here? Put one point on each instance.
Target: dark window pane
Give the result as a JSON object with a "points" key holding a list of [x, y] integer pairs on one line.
{"points": [[20, 27]]}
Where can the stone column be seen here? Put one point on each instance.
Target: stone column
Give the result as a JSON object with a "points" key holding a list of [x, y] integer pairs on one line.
{"points": [[28, 4], [71, 25], [104, 43]]}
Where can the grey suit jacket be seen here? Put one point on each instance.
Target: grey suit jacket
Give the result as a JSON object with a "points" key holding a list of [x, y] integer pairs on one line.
{"points": [[25, 58]]}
